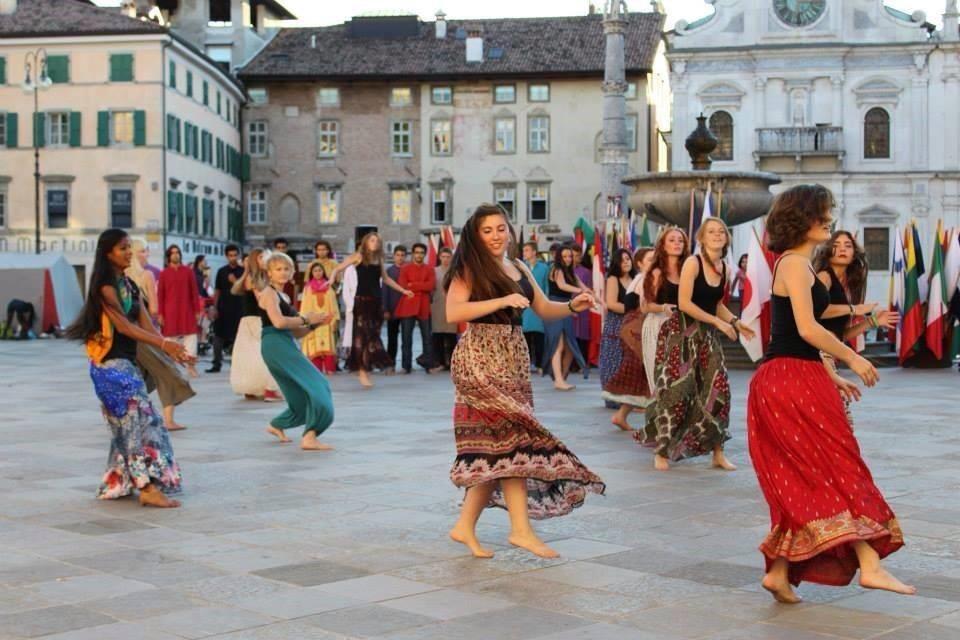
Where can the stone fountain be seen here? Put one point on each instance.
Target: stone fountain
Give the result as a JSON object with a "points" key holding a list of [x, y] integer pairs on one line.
{"points": [[665, 197]]}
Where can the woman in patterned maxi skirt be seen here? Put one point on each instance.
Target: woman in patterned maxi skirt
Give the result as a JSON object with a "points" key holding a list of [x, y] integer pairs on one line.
{"points": [[827, 517], [505, 457], [113, 321]]}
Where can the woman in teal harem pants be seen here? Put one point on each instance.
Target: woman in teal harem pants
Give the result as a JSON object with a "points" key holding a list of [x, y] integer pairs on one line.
{"points": [[306, 390]]}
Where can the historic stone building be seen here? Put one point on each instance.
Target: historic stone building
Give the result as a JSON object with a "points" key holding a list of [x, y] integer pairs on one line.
{"points": [[407, 125], [849, 93]]}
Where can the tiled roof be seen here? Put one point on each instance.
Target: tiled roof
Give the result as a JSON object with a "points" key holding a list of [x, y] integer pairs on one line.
{"points": [[561, 46], [69, 17]]}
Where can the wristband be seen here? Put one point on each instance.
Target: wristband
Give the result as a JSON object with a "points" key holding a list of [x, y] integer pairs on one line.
{"points": [[570, 306], [852, 310], [304, 320]]}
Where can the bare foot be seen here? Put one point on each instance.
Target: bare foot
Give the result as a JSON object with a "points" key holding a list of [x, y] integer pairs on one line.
{"points": [[780, 590], [720, 461], [192, 371], [469, 538], [278, 434], [365, 379], [150, 496], [660, 463], [250, 396], [882, 579], [533, 544], [563, 386], [174, 426], [309, 442], [620, 422]]}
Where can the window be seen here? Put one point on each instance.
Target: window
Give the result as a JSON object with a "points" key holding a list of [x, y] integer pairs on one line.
{"points": [[506, 198], [58, 129], [172, 71], [328, 138], [257, 206], [257, 138], [189, 84], [3, 129], [328, 204], [121, 208], [538, 203], [3, 208], [58, 200], [401, 97], [206, 93], [538, 93], [441, 137], [400, 138], [221, 54], [58, 68], [121, 127], [257, 96], [329, 97], [631, 93], [441, 95], [876, 244], [505, 135], [220, 12], [631, 125], [504, 93], [121, 67], [876, 134], [721, 125], [439, 211], [219, 99], [538, 130], [400, 206]]}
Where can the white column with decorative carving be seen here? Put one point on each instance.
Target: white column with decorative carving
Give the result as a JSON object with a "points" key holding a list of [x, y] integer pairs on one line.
{"points": [[951, 125], [837, 117], [680, 83], [919, 120], [613, 147]]}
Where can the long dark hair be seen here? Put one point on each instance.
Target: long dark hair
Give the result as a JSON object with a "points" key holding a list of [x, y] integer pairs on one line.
{"points": [[661, 259], [616, 260], [856, 277], [88, 322], [477, 267], [170, 249], [569, 275]]}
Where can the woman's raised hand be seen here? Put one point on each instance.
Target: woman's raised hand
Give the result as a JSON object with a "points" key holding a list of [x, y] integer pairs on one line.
{"points": [[514, 301], [583, 301]]}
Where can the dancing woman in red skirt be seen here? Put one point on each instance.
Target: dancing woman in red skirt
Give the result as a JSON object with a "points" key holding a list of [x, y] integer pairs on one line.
{"points": [[827, 516]]}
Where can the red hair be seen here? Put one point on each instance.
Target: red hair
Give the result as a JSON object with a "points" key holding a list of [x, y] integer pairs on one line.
{"points": [[660, 261]]}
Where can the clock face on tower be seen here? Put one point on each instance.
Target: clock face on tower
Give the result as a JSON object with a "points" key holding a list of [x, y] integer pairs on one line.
{"points": [[799, 13]]}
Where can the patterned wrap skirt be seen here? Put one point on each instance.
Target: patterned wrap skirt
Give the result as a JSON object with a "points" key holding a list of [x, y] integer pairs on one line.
{"points": [[140, 450], [622, 374], [555, 331], [366, 347], [821, 495], [248, 372], [690, 413], [496, 432]]}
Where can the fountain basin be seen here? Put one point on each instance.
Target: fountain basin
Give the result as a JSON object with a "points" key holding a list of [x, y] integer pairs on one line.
{"points": [[665, 197]]}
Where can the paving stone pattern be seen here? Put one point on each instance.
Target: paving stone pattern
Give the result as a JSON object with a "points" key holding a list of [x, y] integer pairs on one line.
{"points": [[276, 543]]}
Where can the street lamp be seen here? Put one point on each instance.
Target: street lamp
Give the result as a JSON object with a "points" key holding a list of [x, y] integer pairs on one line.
{"points": [[35, 79]]}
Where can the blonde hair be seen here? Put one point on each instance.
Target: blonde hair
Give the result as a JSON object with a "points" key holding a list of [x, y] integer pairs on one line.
{"points": [[256, 273], [702, 234], [279, 256]]}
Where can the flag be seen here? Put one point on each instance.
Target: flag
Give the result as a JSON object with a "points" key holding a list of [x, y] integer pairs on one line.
{"points": [[432, 258], [912, 326], [756, 299], [447, 235], [597, 271], [645, 239], [951, 270], [896, 296], [921, 270], [937, 298]]}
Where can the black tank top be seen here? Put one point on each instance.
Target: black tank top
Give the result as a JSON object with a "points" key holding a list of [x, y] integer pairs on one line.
{"points": [[669, 292], [285, 309], [123, 346], [555, 292], [705, 295], [515, 315], [250, 306], [837, 325], [368, 280], [785, 340]]}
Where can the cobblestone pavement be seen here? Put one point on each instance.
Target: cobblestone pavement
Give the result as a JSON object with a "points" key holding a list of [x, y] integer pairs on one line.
{"points": [[277, 543]]}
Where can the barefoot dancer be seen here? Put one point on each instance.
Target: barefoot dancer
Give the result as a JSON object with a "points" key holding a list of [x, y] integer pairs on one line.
{"points": [[112, 322], [661, 288], [561, 348], [505, 457], [827, 516], [305, 389], [249, 375], [366, 348]]}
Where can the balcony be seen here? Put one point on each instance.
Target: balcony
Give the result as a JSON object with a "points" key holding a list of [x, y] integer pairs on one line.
{"points": [[800, 149]]}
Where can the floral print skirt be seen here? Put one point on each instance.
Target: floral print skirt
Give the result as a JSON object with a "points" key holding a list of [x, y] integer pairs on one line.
{"points": [[366, 349], [496, 432], [622, 376], [140, 450], [690, 413]]}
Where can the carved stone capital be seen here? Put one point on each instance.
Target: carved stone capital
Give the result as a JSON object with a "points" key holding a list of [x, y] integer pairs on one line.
{"points": [[616, 88]]}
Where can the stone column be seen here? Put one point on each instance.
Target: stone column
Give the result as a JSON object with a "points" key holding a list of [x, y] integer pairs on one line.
{"points": [[613, 147], [837, 115], [683, 122], [951, 18], [951, 127], [919, 122]]}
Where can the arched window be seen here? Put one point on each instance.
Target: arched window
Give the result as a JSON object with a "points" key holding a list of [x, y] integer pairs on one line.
{"points": [[721, 125], [876, 133]]}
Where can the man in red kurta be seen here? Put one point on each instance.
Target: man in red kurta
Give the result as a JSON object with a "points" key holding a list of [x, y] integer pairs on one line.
{"points": [[419, 277], [179, 302]]}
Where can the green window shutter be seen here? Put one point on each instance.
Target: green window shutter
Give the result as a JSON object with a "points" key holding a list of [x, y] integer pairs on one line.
{"points": [[75, 139], [218, 103], [172, 79], [103, 128], [245, 171], [171, 209], [58, 68], [189, 84], [206, 93], [177, 133], [196, 143], [180, 212], [39, 129], [3, 70], [12, 130], [121, 67], [139, 128]]}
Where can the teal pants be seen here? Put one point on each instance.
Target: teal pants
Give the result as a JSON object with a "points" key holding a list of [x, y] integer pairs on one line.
{"points": [[306, 390]]}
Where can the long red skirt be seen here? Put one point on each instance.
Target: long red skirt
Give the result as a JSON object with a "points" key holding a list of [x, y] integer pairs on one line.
{"points": [[821, 495]]}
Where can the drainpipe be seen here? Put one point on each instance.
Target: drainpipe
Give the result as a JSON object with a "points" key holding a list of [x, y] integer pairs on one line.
{"points": [[163, 142]]}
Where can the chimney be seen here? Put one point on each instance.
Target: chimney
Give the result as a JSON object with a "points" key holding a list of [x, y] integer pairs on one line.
{"points": [[7, 7], [474, 46], [591, 9], [441, 25], [129, 8]]}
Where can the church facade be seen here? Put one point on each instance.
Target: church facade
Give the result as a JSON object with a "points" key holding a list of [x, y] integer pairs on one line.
{"points": [[851, 94]]}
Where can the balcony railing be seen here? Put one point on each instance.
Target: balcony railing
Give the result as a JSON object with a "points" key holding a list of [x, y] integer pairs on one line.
{"points": [[800, 140]]}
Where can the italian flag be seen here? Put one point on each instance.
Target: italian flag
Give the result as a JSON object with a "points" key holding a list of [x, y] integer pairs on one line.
{"points": [[912, 324], [937, 300]]}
